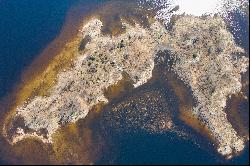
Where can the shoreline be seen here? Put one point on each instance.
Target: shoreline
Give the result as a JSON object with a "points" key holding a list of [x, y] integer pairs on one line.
{"points": [[30, 78], [68, 33], [34, 70], [29, 74]]}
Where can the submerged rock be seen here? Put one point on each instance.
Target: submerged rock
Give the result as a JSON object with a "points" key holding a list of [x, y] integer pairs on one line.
{"points": [[150, 111]]}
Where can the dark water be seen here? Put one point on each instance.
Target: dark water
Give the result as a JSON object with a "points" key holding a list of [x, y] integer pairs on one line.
{"points": [[242, 35], [144, 148], [28, 26]]}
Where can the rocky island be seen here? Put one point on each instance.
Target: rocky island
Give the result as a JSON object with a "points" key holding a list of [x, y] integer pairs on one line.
{"points": [[203, 55]]}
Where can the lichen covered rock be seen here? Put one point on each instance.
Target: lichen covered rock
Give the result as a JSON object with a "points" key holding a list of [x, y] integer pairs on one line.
{"points": [[82, 86], [204, 56], [208, 60]]}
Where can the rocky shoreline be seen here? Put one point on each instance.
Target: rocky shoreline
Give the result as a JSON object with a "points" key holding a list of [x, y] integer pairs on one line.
{"points": [[208, 60], [82, 86], [205, 57]]}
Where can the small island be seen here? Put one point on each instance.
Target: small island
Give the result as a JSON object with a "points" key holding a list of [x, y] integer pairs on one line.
{"points": [[202, 54]]}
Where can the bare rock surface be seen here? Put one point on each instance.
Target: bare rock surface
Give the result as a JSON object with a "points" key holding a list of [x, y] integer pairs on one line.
{"points": [[206, 59], [81, 87]]}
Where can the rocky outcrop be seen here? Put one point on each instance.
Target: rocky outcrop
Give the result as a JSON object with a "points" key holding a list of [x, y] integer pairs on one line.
{"points": [[82, 86], [205, 57], [208, 60]]}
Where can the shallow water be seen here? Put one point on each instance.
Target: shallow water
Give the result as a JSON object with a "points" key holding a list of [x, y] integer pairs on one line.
{"points": [[35, 25]]}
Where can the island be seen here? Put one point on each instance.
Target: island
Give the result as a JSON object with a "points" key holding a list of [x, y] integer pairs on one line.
{"points": [[202, 53]]}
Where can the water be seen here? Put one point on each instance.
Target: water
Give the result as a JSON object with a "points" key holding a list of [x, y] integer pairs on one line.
{"points": [[143, 148], [28, 26], [161, 149]]}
